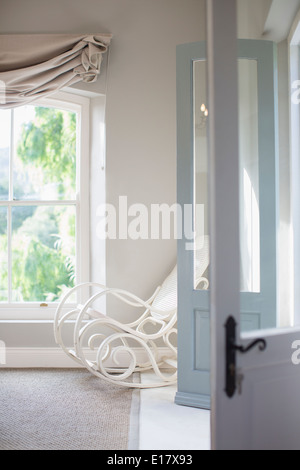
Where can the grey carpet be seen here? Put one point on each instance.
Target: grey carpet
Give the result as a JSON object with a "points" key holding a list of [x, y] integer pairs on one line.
{"points": [[62, 410]]}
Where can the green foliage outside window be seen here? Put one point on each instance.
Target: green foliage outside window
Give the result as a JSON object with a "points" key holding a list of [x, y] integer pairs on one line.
{"points": [[43, 237]]}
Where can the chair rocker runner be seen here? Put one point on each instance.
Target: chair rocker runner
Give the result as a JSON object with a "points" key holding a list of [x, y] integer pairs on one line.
{"points": [[112, 350]]}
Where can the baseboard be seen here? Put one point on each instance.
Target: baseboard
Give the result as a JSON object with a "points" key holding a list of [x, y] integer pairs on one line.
{"points": [[19, 358], [193, 400]]}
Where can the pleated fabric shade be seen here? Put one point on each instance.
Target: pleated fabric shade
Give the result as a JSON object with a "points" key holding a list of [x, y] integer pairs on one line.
{"points": [[35, 66]]}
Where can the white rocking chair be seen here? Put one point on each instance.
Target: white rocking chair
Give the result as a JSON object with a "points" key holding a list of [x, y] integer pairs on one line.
{"points": [[123, 349]]}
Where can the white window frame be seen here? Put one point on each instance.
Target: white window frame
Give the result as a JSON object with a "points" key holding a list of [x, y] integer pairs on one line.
{"points": [[294, 67], [81, 105]]}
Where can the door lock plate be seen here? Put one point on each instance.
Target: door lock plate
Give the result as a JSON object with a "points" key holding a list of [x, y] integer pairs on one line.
{"points": [[232, 375]]}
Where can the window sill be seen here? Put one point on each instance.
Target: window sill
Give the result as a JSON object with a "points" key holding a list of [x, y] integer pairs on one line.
{"points": [[29, 312]]}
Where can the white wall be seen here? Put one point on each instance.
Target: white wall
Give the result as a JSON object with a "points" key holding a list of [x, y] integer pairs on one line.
{"points": [[141, 115], [252, 16], [141, 127]]}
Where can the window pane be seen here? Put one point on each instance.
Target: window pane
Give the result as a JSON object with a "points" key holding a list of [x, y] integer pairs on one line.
{"points": [[5, 120], [43, 252], [3, 256], [249, 176], [45, 154], [200, 166]]}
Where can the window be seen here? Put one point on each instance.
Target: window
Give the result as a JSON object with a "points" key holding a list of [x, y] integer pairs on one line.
{"points": [[43, 204], [294, 61]]}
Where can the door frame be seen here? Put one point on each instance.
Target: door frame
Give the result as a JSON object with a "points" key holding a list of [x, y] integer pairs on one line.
{"points": [[193, 374], [224, 168], [264, 414]]}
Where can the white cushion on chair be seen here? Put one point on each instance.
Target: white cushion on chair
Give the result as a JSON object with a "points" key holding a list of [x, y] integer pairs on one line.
{"points": [[166, 298], [201, 256]]}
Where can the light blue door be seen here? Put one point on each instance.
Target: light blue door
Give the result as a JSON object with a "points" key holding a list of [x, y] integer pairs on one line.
{"points": [[258, 302], [258, 203]]}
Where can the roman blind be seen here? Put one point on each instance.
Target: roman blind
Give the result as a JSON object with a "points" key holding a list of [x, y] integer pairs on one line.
{"points": [[36, 65]]}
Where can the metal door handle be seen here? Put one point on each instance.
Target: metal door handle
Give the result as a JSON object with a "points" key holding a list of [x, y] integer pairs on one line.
{"points": [[231, 349], [261, 342]]}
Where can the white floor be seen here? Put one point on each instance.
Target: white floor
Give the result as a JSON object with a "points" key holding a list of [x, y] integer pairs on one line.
{"points": [[167, 426]]}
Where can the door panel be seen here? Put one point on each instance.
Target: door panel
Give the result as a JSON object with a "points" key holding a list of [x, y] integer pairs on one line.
{"points": [[259, 163], [261, 411], [193, 305], [265, 416], [258, 180]]}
